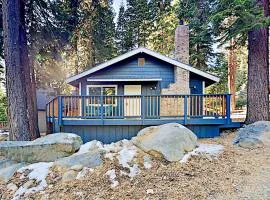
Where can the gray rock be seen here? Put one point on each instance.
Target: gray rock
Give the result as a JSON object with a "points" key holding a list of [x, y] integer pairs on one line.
{"points": [[5, 163], [77, 168], [170, 141], [45, 149], [7, 173], [89, 159], [253, 135], [250, 143], [69, 176]]}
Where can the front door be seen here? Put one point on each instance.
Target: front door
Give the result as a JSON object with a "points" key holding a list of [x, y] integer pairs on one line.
{"points": [[132, 104]]}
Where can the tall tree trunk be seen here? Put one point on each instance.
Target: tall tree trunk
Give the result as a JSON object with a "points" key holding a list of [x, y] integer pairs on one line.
{"points": [[27, 72], [34, 96], [232, 74], [15, 78], [258, 72]]}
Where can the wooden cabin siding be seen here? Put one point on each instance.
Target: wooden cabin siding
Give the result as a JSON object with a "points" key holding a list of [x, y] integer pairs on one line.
{"points": [[109, 134], [129, 68]]}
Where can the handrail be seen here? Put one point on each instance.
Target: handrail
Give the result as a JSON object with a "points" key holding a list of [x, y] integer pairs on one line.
{"points": [[139, 107]]}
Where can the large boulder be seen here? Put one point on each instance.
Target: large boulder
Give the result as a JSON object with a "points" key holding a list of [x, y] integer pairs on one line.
{"points": [[253, 135], [89, 159], [170, 141], [45, 149]]}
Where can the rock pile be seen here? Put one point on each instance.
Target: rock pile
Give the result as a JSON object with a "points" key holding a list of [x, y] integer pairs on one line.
{"points": [[28, 167]]}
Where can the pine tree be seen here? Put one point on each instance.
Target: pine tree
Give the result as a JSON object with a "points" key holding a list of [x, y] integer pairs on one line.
{"points": [[250, 24], [196, 14], [103, 33], [138, 22], [120, 30], [164, 18], [14, 34]]}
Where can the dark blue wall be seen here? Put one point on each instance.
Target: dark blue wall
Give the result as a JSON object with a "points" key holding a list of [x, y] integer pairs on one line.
{"points": [[129, 68], [153, 68], [108, 134]]}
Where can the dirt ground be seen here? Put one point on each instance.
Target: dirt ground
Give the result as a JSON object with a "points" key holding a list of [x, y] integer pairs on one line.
{"points": [[236, 174]]}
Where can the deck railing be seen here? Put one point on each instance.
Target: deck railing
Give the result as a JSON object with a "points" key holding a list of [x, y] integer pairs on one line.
{"points": [[139, 107]]}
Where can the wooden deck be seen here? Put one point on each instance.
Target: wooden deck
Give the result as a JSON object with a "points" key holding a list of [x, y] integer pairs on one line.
{"points": [[187, 108], [204, 114]]}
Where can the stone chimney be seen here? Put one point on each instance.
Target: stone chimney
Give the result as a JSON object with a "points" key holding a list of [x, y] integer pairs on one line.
{"points": [[181, 76], [181, 43]]}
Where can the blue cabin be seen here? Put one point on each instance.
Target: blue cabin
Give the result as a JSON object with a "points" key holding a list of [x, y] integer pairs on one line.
{"points": [[138, 89]]}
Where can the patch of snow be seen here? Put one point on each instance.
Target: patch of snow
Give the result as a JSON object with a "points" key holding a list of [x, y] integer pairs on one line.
{"points": [[204, 149], [109, 155], [90, 146], [118, 146], [126, 155], [134, 171], [39, 172], [83, 172], [112, 177], [4, 133], [147, 162]]}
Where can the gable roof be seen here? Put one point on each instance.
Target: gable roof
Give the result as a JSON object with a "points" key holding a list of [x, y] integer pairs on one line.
{"points": [[146, 51]]}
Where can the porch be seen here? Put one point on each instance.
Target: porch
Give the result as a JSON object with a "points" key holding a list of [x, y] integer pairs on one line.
{"points": [[98, 117], [139, 109]]}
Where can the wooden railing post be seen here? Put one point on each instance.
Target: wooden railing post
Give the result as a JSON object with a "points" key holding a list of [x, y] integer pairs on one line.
{"points": [[143, 114], [185, 109], [60, 110], [228, 108], [82, 106], [101, 107], [53, 110]]}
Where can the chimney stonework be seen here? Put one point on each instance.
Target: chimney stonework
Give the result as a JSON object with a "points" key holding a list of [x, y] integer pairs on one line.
{"points": [[181, 76], [174, 106]]}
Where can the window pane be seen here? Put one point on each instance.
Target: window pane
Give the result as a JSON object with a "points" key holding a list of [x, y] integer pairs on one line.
{"points": [[108, 91], [94, 90]]}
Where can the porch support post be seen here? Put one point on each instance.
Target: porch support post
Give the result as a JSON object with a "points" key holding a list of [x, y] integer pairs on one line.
{"points": [[143, 108], [228, 108], [185, 110], [82, 106], [101, 108], [60, 107]]}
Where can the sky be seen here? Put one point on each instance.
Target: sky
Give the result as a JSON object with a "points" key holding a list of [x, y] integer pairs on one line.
{"points": [[116, 6]]}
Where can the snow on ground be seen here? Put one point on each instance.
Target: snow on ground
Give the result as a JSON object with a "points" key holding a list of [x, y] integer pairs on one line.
{"points": [[204, 149], [94, 144], [126, 155], [147, 162], [39, 172], [112, 177]]}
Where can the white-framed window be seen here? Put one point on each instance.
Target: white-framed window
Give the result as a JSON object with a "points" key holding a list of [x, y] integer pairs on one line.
{"points": [[105, 90]]}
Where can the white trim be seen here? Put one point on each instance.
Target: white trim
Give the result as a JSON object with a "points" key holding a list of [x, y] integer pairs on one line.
{"points": [[203, 87], [119, 80], [80, 88], [88, 86], [149, 52], [115, 86]]}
